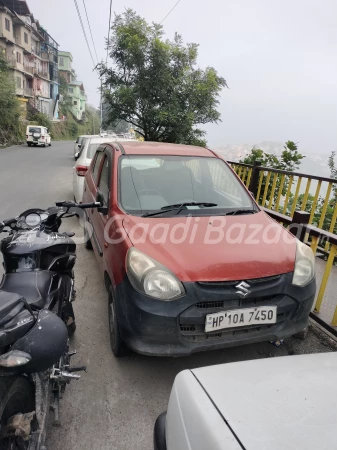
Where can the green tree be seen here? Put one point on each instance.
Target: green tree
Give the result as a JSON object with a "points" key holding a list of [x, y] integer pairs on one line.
{"points": [[153, 83], [289, 160], [93, 120], [9, 106], [41, 119], [66, 100]]}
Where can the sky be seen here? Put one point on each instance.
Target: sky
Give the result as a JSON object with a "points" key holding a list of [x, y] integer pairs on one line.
{"points": [[279, 58]]}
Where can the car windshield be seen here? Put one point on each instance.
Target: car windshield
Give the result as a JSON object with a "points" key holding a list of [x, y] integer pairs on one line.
{"points": [[149, 183]]}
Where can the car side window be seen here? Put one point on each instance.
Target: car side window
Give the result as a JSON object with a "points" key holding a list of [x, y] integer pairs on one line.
{"points": [[97, 165], [104, 180]]}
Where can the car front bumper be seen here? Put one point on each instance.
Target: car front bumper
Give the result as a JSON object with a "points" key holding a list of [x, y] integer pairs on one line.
{"points": [[176, 328]]}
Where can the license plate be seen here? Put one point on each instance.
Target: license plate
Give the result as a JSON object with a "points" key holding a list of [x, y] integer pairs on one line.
{"points": [[241, 318]]}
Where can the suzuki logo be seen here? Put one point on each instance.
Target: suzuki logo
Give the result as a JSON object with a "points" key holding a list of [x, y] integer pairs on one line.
{"points": [[242, 289]]}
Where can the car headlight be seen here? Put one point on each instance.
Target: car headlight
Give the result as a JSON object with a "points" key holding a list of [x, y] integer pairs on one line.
{"points": [[304, 265], [152, 278]]}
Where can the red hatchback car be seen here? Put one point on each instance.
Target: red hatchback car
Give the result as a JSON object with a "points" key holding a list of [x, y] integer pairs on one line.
{"points": [[190, 261]]}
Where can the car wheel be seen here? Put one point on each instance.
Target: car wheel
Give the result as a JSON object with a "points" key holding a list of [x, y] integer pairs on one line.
{"points": [[116, 342], [29, 144], [302, 334], [88, 244], [50, 144]]}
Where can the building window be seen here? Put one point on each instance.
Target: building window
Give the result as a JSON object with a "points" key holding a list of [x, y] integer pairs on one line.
{"points": [[75, 102], [61, 61], [18, 82], [18, 57], [71, 90], [26, 37], [7, 24]]}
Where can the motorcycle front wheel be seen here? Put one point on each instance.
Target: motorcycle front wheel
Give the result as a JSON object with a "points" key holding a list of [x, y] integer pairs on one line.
{"points": [[16, 397]]}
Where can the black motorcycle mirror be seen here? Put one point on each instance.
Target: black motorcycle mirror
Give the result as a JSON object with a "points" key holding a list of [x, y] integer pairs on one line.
{"points": [[100, 199]]}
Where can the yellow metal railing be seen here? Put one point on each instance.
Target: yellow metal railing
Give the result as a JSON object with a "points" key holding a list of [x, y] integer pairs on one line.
{"points": [[287, 192]]}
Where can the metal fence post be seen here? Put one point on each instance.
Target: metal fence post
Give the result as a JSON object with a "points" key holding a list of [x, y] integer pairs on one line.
{"points": [[254, 181], [298, 225]]}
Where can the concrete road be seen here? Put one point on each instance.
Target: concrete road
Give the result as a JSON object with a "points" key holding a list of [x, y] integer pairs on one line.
{"points": [[115, 404]]}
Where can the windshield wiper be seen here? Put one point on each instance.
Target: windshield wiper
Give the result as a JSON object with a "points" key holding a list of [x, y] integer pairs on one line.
{"points": [[241, 211], [178, 207]]}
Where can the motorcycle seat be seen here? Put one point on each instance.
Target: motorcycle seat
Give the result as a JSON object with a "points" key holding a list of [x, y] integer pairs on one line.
{"points": [[33, 286]]}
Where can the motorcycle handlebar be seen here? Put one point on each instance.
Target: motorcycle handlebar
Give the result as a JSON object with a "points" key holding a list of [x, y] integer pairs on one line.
{"points": [[78, 205]]}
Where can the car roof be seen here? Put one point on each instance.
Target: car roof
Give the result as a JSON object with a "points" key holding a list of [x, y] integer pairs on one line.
{"points": [[134, 147], [286, 402], [88, 135], [109, 140]]}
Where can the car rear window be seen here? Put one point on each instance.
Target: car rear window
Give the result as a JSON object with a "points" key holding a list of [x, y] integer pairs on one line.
{"points": [[34, 130], [92, 150]]}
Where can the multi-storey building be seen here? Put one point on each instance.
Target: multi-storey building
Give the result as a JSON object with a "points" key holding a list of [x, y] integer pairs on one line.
{"points": [[32, 55], [75, 88]]}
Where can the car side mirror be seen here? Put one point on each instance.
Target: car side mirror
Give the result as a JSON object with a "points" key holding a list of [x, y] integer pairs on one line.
{"points": [[79, 145], [100, 199], [76, 156]]}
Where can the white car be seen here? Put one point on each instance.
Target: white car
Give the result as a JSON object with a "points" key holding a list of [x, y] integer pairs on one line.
{"points": [[282, 403], [79, 141], [37, 135], [83, 160]]}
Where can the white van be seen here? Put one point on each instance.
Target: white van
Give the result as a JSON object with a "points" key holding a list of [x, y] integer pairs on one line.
{"points": [[37, 135]]}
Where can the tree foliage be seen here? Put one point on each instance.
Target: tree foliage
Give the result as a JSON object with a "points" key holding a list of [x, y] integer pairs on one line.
{"points": [[289, 160], [66, 100], [154, 85], [9, 106]]}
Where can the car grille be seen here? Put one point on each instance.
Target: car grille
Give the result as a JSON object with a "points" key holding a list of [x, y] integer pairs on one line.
{"points": [[241, 302], [196, 333]]}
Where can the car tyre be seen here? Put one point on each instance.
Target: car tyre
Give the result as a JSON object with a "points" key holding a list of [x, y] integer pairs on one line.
{"points": [[88, 244], [50, 144], [302, 334], [29, 144], [116, 342]]}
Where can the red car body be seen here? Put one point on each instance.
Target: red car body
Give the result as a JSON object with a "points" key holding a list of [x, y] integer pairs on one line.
{"points": [[262, 253]]}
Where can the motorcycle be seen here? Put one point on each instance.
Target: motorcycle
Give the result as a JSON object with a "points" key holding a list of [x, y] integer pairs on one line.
{"points": [[36, 321]]}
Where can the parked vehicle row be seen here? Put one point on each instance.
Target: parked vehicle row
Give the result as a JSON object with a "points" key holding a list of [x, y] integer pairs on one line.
{"points": [[188, 266]]}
